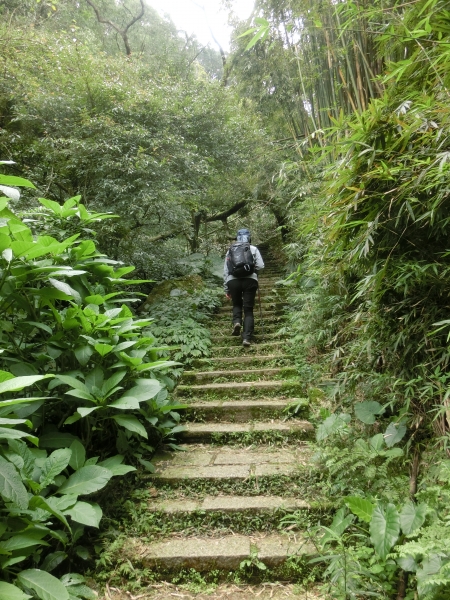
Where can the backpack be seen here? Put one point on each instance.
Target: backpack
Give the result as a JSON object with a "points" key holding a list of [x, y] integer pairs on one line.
{"points": [[240, 260]]}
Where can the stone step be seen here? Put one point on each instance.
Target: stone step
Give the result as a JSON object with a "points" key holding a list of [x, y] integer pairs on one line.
{"points": [[226, 388], [228, 464], [224, 554], [226, 315], [250, 360], [267, 308], [231, 340], [192, 377], [229, 504], [258, 347], [222, 327], [240, 411], [205, 432]]}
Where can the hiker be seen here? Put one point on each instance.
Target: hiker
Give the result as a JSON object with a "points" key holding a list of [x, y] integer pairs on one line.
{"points": [[240, 281]]}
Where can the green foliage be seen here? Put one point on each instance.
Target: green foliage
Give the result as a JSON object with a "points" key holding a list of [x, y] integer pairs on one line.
{"points": [[178, 322], [98, 384]]}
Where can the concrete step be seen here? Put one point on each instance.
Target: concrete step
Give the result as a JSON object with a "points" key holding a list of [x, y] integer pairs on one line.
{"points": [[257, 348], [225, 553], [268, 311], [255, 360], [224, 591], [240, 411], [227, 388], [229, 504], [222, 327], [236, 375], [230, 340], [280, 430], [228, 464]]}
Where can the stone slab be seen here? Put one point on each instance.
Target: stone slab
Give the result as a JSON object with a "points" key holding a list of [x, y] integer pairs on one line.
{"points": [[274, 549], [246, 458], [232, 386], [230, 504], [179, 459], [179, 474], [173, 506], [234, 373], [271, 469], [285, 426], [193, 553], [223, 553]]}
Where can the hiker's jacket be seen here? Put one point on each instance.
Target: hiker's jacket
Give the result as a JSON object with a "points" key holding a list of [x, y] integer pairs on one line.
{"points": [[259, 264]]}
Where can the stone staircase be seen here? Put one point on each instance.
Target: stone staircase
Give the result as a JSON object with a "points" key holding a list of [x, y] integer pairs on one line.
{"points": [[244, 465]]}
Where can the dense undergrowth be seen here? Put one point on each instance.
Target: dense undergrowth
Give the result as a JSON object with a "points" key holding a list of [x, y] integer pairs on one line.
{"points": [[85, 386], [370, 323]]}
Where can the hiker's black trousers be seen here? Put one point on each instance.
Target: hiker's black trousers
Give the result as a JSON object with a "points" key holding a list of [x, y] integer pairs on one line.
{"points": [[243, 292]]}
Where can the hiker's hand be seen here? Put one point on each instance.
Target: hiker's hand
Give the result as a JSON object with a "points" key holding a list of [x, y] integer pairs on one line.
{"points": [[227, 296]]}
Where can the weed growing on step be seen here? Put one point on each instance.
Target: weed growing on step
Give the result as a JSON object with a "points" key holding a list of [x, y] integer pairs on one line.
{"points": [[131, 575], [149, 525], [307, 485], [250, 438]]}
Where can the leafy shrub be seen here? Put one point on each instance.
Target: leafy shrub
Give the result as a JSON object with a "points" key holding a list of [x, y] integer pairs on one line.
{"points": [[99, 385]]}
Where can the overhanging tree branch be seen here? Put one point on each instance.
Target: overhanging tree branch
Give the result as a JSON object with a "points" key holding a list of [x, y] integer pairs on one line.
{"points": [[223, 216], [123, 32]]}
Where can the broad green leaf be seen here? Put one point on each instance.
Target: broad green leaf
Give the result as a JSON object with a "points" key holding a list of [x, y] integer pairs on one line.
{"points": [[94, 379], [86, 480], [26, 539], [54, 465], [145, 389], [15, 434], [38, 502], [384, 529], [73, 382], [84, 411], [78, 457], [394, 434], [412, 517], [331, 425], [360, 507], [340, 523], [125, 403], [86, 513], [11, 592], [407, 563], [112, 382], [121, 469], [81, 394], [377, 442], [53, 560], [103, 349], [46, 586], [367, 411], [117, 459], [52, 205], [16, 181], [11, 486], [83, 354], [18, 383], [131, 423], [65, 289]]}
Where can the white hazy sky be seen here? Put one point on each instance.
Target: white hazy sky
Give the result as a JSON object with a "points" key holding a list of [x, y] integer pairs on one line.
{"points": [[188, 16]]}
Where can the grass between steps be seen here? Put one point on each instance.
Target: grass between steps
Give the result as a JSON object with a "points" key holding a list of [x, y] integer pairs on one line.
{"points": [[132, 575], [305, 484]]}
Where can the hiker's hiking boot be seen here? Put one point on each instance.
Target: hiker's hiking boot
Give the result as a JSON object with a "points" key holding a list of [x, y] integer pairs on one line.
{"points": [[246, 343], [236, 329]]}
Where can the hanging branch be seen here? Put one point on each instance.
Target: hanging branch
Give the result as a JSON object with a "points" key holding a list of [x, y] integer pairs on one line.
{"points": [[123, 32]]}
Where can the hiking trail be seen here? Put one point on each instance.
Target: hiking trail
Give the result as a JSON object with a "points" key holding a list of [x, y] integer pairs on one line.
{"points": [[244, 466]]}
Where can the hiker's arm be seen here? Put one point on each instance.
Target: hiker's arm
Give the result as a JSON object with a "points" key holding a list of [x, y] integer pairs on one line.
{"points": [[259, 263], [225, 274]]}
